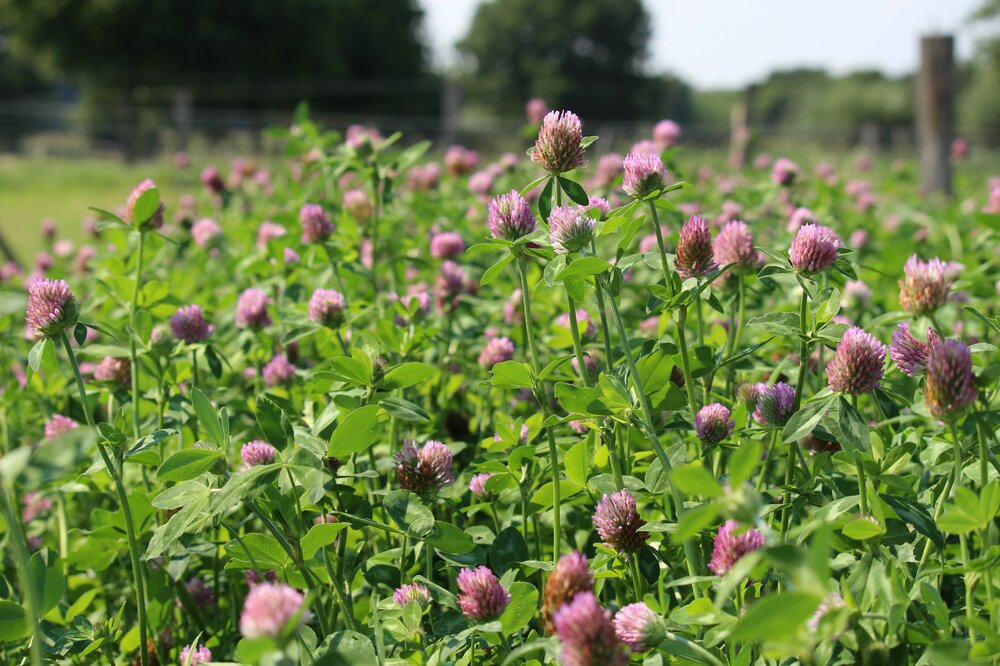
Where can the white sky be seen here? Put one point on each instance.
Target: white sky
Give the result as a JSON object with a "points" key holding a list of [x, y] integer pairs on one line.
{"points": [[728, 43]]}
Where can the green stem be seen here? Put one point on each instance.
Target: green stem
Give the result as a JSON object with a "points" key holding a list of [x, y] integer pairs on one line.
{"points": [[133, 352], [553, 450], [28, 590], [957, 442], [685, 361], [661, 247], [115, 474], [605, 329], [574, 329], [984, 469], [195, 382], [786, 502], [803, 347], [699, 316], [859, 465], [970, 609], [690, 555]]}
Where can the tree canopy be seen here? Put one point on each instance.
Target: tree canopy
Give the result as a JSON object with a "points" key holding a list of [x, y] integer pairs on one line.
{"points": [[587, 56]]}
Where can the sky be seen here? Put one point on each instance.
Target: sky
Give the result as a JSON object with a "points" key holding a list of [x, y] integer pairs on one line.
{"points": [[717, 44]]}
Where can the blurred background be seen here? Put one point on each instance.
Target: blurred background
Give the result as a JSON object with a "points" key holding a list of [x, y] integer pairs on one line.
{"points": [[89, 87]]}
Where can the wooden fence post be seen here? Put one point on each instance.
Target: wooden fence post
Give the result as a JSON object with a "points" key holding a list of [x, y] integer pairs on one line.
{"points": [[936, 111]]}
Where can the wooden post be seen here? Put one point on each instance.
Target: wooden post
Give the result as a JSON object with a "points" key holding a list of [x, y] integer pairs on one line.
{"points": [[451, 97], [182, 117], [936, 111]]}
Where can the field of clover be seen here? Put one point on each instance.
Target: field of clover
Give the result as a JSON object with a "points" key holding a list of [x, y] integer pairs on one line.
{"points": [[372, 406]]}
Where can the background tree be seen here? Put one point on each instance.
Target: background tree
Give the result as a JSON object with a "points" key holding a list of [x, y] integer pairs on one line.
{"points": [[584, 56]]}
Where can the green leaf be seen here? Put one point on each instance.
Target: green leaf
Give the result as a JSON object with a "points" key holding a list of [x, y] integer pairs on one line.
{"points": [[42, 356], [494, 271], [508, 548], [207, 416], [319, 536], [576, 463], [853, 428], [351, 370], [583, 267], [347, 648], [13, 622], [861, 529], [264, 551], [146, 206], [45, 573], [407, 374], [273, 423], [449, 539], [782, 323], [742, 462], [545, 201], [693, 521], [80, 333], [512, 374], [187, 464], [693, 479], [806, 419], [522, 607], [986, 320], [581, 400], [409, 512], [404, 410], [776, 616], [356, 432], [916, 515], [574, 190]]}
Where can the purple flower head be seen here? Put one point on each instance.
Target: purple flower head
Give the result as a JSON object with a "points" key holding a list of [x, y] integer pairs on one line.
{"points": [[192, 656], [421, 298], [251, 309], [450, 284], [496, 351], [950, 386], [588, 361], [412, 592], [316, 225], [52, 307], [734, 245], [856, 293], [459, 160], [570, 230], [570, 577], [510, 216], [424, 470], [617, 521], [34, 505], [814, 248], [856, 368], [205, 231], [326, 307], [600, 204], [200, 593], [609, 167], [908, 353], [256, 453], [447, 245], [588, 635], [713, 424], [644, 174], [482, 596], [253, 579], [800, 217], [268, 231], [559, 146], [113, 370], [481, 183], [212, 180], [925, 285], [188, 324], [477, 485], [748, 392], [357, 203], [268, 609], [155, 221], [666, 133], [695, 256], [731, 543], [536, 108], [290, 256], [59, 424], [784, 172], [586, 325], [278, 371], [638, 627], [775, 405]]}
